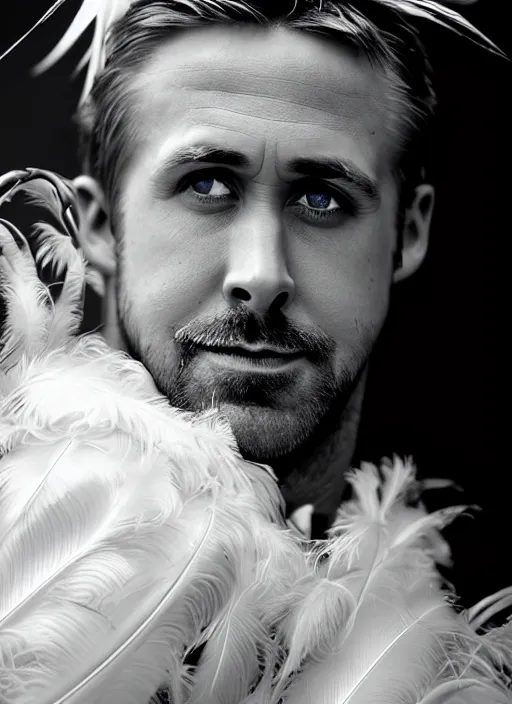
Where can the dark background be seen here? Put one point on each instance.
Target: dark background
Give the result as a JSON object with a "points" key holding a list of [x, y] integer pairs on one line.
{"points": [[436, 379]]}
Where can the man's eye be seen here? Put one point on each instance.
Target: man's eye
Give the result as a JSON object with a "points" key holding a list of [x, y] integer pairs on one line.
{"points": [[318, 201], [210, 187]]}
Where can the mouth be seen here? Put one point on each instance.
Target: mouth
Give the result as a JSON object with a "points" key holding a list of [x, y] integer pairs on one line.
{"points": [[255, 352], [253, 357]]}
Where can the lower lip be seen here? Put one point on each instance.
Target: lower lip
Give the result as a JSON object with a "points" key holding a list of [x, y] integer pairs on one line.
{"points": [[263, 364]]}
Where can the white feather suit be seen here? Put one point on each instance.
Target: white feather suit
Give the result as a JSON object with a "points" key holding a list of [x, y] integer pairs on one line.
{"points": [[132, 532]]}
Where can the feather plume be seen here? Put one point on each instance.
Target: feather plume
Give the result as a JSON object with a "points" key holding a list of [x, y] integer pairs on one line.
{"points": [[240, 641], [85, 17], [81, 585], [53, 247], [39, 22], [104, 13], [148, 576], [233, 645], [487, 608], [69, 306], [63, 503], [55, 241], [398, 626], [316, 611], [127, 526], [444, 17], [26, 299], [467, 691]]}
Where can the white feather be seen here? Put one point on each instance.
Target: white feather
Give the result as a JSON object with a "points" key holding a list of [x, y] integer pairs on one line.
{"points": [[68, 308], [233, 535], [397, 609], [54, 248], [85, 16], [317, 611], [487, 608], [241, 641], [402, 641], [107, 495], [25, 293], [445, 17], [465, 691], [41, 21], [105, 12], [233, 646], [27, 301], [78, 582], [109, 11], [392, 641]]}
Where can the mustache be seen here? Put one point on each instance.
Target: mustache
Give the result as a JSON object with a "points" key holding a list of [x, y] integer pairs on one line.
{"points": [[241, 326]]}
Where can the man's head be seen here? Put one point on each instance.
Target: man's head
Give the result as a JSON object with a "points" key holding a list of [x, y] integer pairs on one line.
{"points": [[262, 181]]}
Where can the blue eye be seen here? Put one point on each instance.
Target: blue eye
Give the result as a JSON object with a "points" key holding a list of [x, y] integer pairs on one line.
{"points": [[203, 186], [319, 201], [210, 187]]}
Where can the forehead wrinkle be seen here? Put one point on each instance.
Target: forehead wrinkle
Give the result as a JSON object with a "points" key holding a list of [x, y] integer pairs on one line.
{"points": [[266, 79], [210, 125], [282, 120], [338, 136], [285, 101], [225, 128]]}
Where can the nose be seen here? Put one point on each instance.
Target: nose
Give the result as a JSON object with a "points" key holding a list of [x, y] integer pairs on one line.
{"points": [[257, 273]]}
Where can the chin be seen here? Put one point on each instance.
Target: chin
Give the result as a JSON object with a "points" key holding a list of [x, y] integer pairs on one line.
{"points": [[265, 435]]}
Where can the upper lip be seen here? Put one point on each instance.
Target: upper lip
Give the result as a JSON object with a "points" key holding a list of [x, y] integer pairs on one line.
{"points": [[255, 350]]}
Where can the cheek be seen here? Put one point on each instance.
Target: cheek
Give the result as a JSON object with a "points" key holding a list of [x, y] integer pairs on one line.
{"points": [[168, 269], [349, 280]]}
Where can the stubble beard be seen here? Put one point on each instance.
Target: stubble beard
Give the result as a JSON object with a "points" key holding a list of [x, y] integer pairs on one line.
{"points": [[272, 423], [272, 418], [277, 420]]}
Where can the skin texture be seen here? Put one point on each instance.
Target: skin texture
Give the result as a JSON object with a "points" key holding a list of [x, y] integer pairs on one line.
{"points": [[256, 264]]}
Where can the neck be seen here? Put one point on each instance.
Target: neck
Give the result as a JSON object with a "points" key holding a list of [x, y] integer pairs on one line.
{"points": [[319, 477]]}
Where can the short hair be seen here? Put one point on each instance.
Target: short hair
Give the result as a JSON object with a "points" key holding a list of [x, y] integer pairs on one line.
{"points": [[373, 29]]}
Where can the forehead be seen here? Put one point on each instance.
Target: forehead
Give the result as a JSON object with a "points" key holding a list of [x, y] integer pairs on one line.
{"points": [[275, 93]]}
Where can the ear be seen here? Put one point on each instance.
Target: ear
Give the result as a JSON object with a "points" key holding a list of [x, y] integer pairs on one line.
{"points": [[95, 237], [416, 232]]}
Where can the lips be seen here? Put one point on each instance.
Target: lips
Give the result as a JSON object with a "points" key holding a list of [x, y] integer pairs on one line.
{"points": [[256, 353], [256, 360]]}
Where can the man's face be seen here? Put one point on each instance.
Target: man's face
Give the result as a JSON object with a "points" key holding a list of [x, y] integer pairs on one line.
{"points": [[258, 211]]}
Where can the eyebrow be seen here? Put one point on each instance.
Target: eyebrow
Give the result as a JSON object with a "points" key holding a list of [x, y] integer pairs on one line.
{"points": [[334, 168], [201, 154]]}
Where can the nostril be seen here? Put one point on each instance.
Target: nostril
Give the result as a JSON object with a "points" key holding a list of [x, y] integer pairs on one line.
{"points": [[280, 300], [242, 294]]}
